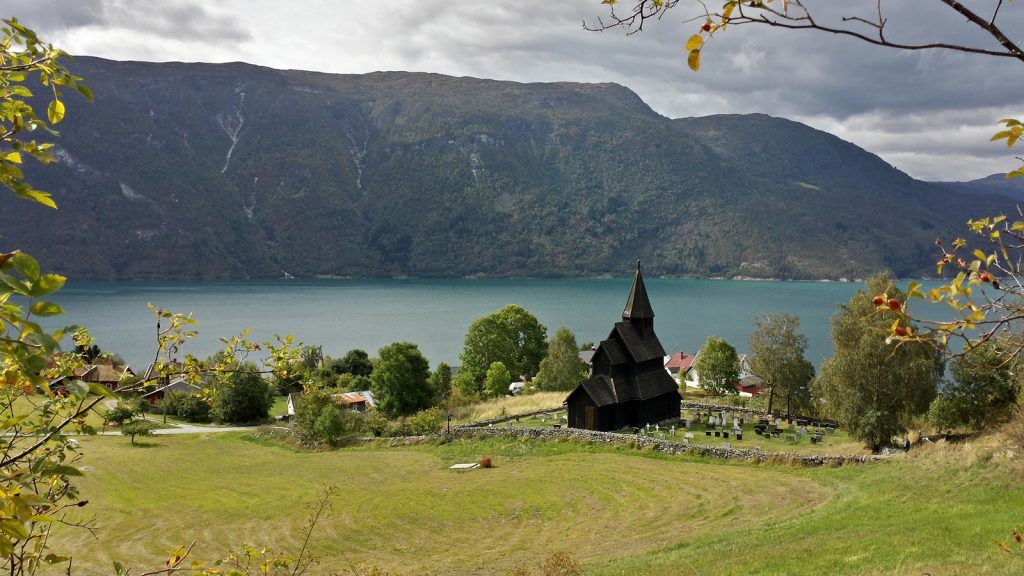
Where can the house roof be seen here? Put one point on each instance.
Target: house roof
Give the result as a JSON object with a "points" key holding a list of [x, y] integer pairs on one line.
{"points": [[349, 397], [178, 384], [638, 305], [679, 362]]}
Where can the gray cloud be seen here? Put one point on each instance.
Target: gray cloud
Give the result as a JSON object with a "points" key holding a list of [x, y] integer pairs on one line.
{"points": [[176, 19], [929, 113]]}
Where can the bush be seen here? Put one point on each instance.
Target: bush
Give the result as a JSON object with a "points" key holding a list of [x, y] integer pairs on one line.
{"points": [[376, 423], [170, 403], [1014, 429], [243, 396], [318, 420], [194, 408], [425, 422]]}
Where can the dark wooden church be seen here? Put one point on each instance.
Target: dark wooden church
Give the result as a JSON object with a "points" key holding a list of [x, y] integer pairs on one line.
{"points": [[628, 384]]}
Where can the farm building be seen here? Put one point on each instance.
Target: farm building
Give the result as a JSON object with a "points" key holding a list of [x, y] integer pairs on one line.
{"points": [[628, 385]]}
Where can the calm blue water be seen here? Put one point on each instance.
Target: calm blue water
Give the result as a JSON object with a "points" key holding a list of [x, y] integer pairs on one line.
{"points": [[434, 314]]}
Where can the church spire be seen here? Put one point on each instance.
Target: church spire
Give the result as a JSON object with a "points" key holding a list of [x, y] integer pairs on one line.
{"points": [[638, 305]]}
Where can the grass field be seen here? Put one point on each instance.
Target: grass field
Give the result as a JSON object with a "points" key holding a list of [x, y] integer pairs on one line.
{"points": [[617, 510], [507, 405]]}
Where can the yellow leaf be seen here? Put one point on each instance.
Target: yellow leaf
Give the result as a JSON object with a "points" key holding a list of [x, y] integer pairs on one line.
{"points": [[13, 157], [694, 60], [728, 11], [694, 43], [55, 112]]}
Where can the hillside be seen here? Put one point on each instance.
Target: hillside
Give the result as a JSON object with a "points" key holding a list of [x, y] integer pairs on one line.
{"points": [[995, 184], [232, 170]]}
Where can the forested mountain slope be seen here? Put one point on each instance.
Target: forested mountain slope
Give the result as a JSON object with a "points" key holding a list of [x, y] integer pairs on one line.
{"points": [[232, 170]]}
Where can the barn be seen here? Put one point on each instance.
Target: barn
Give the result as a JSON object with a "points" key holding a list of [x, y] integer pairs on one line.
{"points": [[628, 385]]}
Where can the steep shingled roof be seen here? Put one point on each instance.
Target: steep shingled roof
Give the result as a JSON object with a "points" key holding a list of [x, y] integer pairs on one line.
{"points": [[638, 305]]}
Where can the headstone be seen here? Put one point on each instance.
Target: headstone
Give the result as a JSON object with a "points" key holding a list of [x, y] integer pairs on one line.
{"points": [[739, 435], [790, 439], [707, 432], [688, 435], [830, 430], [725, 434]]}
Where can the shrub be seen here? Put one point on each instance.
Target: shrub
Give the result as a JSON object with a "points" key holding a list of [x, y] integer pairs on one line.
{"points": [[318, 420], [194, 408], [243, 396], [376, 423], [1014, 429], [425, 422], [485, 462], [169, 404]]}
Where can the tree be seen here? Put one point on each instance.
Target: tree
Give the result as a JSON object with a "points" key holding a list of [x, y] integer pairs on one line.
{"points": [[356, 362], [498, 380], [441, 381], [39, 459], [718, 366], [777, 347], [983, 391], [869, 386], [995, 273], [137, 428], [400, 380], [511, 336], [242, 395], [562, 368], [118, 415], [852, 21]]}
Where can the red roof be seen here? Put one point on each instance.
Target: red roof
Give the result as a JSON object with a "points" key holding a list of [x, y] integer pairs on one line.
{"points": [[679, 362]]}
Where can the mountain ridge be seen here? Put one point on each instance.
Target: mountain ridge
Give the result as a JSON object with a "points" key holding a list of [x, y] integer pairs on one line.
{"points": [[184, 170]]}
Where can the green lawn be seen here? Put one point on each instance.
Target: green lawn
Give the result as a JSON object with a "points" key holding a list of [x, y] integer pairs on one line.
{"points": [[617, 510]]}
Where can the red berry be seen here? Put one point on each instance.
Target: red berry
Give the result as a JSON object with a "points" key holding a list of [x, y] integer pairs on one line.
{"points": [[894, 304], [986, 277], [878, 300], [706, 27], [901, 331], [1017, 537]]}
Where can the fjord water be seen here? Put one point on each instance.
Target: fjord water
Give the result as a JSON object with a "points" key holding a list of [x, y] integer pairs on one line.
{"points": [[343, 314]]}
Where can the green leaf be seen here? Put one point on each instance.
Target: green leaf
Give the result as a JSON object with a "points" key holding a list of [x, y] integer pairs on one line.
{"points": [[84, 91], [26, 265], [48, 284], [42, 308], [40, 197], [100, 390], [78, 389], [64, 471], [55, 112], [14, 528]]}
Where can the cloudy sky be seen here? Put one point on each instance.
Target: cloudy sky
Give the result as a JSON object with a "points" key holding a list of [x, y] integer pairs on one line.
{"points": [[929, 113]]}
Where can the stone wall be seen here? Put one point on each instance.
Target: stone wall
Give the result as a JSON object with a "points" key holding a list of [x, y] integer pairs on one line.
{"points": [[665, 446]]}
